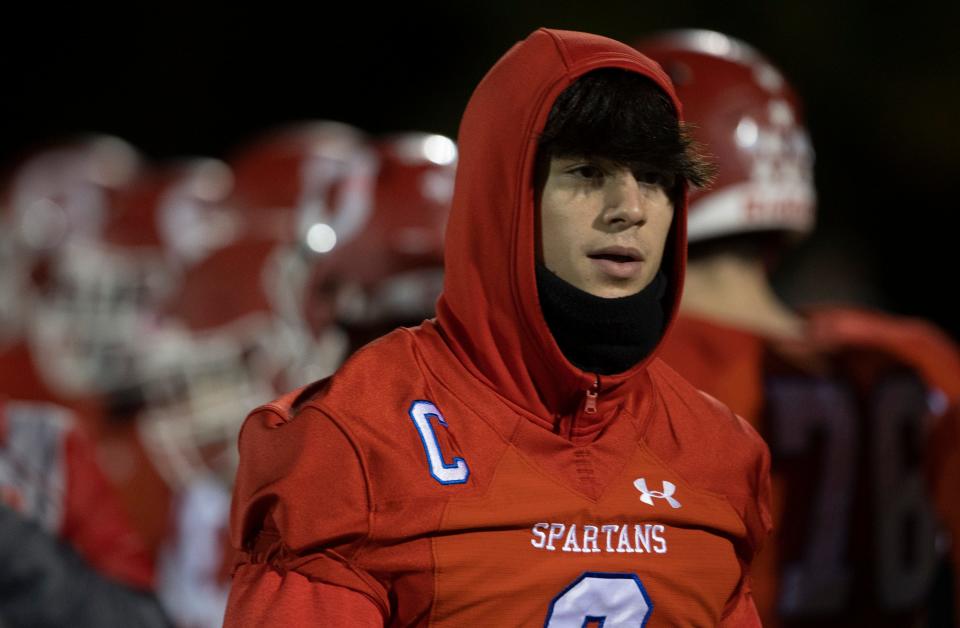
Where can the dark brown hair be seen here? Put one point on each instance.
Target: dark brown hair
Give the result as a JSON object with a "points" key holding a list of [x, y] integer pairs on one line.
{"points": [[626, 118]]}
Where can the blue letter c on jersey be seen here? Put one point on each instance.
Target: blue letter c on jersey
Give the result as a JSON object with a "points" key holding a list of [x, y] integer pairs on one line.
{"points": [[455, 473]]}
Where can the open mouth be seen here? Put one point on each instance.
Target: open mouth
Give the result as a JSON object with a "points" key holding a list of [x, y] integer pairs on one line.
{"points": [[613, 257], [618, 262]]}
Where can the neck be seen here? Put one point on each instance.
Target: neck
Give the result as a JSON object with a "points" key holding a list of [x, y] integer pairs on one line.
{"points": [[599, 335], [734, 290]]}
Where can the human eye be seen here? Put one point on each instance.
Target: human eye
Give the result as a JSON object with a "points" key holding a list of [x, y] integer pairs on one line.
{"points": [[587, 171], [665, 180]]}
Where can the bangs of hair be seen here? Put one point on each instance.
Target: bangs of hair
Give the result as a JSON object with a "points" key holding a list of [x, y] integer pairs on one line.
{"points": [[624, 117]]}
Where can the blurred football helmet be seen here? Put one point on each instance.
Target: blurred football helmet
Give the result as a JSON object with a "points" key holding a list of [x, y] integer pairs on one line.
{"points": [[14, 275], [101, 297], [66, 191], [392, 273], [57, 195], [315, 173], [183, 205], [224, 351], [747, 116]]}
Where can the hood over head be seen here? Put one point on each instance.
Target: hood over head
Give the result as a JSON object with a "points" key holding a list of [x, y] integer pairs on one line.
{"points": [[489, 311]]}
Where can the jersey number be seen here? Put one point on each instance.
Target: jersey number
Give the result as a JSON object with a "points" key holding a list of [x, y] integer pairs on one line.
{"points": [[455, 472], [803, 412], [611, 600]]}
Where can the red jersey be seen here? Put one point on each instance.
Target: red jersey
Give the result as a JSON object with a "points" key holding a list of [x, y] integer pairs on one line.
{"points": [[49, 474], [846, 413], [465, 473], [115, 445]]}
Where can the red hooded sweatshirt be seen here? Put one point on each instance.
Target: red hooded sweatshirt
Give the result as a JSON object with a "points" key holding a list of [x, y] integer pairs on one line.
{"points": [[464, 473]]}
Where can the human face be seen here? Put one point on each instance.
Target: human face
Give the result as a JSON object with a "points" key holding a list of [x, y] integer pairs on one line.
{"points": [[603, 228]]}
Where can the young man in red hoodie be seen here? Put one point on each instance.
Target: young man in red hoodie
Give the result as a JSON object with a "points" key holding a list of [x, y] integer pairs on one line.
{"points": [[524, 459]]}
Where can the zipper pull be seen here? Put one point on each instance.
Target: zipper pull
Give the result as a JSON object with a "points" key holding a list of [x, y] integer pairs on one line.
{"points": [[590, 403]]}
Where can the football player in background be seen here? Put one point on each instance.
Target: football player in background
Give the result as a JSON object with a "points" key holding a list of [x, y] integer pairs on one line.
{"points": [[278, 307], [68, 555], [58, 199], [391, 273], [106, 241], [845, 398], [524, 458]]}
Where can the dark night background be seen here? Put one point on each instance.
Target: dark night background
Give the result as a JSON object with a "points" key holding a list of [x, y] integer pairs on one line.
{"points": [[880, 81]]}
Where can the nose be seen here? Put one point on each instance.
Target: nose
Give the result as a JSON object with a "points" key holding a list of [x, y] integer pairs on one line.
{"points": [[626, 200]]}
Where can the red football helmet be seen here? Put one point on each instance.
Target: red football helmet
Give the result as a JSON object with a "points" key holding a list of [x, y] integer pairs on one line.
{"points": [[392, 272], [291, 180], [101, 297], [748, 117], [181, 207], [13, 283], [226, 348], [65, 191], [60, 194]]}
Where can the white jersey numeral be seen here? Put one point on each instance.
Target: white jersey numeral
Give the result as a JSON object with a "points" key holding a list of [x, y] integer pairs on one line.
{"points": [[456, 472], [611, 600]]}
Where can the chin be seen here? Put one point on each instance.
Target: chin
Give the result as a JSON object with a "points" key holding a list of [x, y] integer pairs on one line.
{"points": [[614, 292]]}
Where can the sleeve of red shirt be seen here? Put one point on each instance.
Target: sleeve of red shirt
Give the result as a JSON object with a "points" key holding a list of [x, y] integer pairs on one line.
{"points": [[262, 596], [95, 523], [299, 517]]}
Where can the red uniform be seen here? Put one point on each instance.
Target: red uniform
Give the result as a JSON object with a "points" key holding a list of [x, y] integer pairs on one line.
{"points": [[464, 473], [846, 413], [48, 473], [115, 447]]}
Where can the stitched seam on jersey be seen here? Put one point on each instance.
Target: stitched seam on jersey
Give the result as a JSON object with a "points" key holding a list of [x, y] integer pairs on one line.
{"points": [[446, 507], [657, 398], [370, 580], [561, 49], [436, 565], [274, 409], [627, 459], [744, 586], [366, 478], [666, 408]]}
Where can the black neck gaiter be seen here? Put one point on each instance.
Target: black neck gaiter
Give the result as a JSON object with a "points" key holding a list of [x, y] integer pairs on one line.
{"points": [[600, 335]]}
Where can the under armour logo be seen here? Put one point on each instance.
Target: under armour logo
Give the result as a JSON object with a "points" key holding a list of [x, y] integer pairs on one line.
{"points": [[647, 496]]}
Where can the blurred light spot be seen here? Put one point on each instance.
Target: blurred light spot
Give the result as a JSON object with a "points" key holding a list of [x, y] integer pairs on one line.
{"points": [[212, 180], [44, 225], [780, 113], [747, 132], [938, 402], [437, 186], [768, 77], [715, 43], [321, 238], [440, 150], [113, 162]]}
